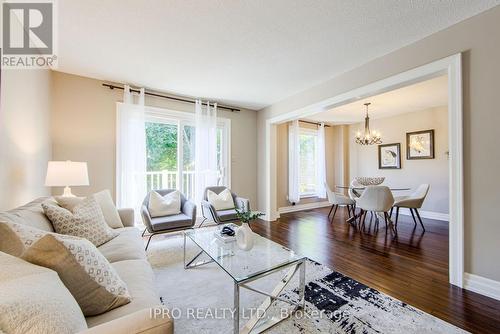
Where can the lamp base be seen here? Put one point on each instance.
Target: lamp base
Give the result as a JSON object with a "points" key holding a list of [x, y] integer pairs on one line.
{"points": [[67, 192]]}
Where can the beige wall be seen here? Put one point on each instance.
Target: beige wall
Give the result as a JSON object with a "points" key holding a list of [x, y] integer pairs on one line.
{"points": [[333, 157], [24, 136], [83, 129], [477, 38], [363, 160]]}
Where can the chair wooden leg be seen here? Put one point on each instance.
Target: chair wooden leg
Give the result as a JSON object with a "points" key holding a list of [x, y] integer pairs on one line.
{"points": [[413, 216], [329, 213], [390, 214], [364, 217], [420, 219], [385, 219], [334, 212], [397, 216]]}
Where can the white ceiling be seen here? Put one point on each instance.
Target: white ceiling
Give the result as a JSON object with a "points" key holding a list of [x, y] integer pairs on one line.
{"points": [[420, 96], [245, 53]]}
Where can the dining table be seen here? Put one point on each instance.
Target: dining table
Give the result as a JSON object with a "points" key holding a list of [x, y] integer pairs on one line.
{"points": [[357, 189]]}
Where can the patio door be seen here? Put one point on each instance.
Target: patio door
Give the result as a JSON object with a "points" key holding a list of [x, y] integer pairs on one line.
{"points": [[170, 151]]}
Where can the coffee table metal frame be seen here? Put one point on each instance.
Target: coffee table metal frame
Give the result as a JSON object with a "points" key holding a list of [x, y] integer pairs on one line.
{"points": [[295, 266]]}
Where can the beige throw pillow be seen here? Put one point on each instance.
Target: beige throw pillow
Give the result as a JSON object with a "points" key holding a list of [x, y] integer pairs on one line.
{"points": [[85, 221], [221, 201], [34, 300], [160, 206], [15, 238], [103, 198], [86, 273]]}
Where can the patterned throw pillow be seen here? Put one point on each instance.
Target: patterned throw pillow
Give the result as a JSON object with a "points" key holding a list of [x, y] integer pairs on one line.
{"points": [[86, 221], [86, 273], [15, 238]]}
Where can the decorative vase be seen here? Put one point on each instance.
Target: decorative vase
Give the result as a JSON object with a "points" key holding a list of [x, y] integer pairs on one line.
{"points": [[244, 237]]}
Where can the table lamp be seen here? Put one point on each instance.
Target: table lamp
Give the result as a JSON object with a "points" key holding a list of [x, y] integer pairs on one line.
{"points": [[66, 174]]}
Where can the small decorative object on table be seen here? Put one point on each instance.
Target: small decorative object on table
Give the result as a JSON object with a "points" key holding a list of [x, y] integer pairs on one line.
{"points": [[227, 234], [244, 234], [369, 181]]}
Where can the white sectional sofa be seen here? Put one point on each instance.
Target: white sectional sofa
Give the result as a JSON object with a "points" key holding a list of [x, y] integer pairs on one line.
{"points": [[126, 254]]}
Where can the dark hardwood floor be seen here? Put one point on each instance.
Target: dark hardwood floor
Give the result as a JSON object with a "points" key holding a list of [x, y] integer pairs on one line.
{"points": [[412, 267]]}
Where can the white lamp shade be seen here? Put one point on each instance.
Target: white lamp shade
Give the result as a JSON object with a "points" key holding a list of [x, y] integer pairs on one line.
{"points": [[66, 173]]}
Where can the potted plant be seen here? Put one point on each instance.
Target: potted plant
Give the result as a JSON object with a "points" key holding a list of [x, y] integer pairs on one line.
{"points": [[244, 234]]}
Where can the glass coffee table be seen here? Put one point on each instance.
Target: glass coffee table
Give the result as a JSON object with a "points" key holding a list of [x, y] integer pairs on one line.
{"points": [[265, 258]]}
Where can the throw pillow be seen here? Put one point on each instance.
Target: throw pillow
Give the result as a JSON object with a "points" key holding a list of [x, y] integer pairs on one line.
{"points": [[34, 300], [15, 238], [160, 206], [221, 201], [67, 202], [86, 221], [103, 198], [86, 273], [108, 209]]}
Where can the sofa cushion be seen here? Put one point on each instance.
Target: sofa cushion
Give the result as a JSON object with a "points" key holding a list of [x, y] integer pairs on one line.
{"points": [[128, 245], [139, 277], [83, 269], [171, 222], [85, 221], [34, 300], [227, 215], [30, 214]]}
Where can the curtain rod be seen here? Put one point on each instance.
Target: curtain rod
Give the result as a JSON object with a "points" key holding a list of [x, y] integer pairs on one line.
{"points": [[314, 123], [110, 86]]}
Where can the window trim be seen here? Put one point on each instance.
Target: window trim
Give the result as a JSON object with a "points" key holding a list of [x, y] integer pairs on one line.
{"points": [[314, 132]]}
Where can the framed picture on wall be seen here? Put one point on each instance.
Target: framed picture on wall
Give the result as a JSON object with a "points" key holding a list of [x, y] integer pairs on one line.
{"points": [[420, 145], [389, 156]]}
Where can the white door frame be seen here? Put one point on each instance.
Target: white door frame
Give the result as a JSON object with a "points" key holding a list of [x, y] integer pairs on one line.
{"points": [[452, 66]]}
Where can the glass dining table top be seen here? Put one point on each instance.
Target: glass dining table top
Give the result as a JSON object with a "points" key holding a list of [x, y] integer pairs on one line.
{"points": [[362, 188], [266, 255]]}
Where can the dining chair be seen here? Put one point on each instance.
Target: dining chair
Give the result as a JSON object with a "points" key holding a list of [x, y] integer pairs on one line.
{"points": [[375, 199], [412, 202], [336, 200], [353, 194]]}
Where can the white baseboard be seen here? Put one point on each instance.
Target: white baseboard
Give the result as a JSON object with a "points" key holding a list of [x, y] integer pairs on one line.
{"points": [[482, 285], [305, 206], [426, 214]]}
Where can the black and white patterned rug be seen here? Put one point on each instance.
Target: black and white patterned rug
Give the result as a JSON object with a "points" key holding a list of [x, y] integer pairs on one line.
{"points": [[202, 297]]}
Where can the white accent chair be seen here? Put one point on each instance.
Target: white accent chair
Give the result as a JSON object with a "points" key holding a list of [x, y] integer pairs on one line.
{"points": [[412, 202], [336, 200], [375, 199], [354, 194]]}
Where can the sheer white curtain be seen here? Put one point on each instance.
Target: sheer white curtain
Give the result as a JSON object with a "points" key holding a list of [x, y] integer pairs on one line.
{"points": [[205, 148], [130, 151], [293, 162], [320, 163]]}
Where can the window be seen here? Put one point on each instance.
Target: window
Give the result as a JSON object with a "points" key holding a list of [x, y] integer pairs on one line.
{"points": [[170, 150], [308, 140]]}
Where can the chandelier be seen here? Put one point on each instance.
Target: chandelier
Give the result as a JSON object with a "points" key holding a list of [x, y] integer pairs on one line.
{"points": [[369, 137]]}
